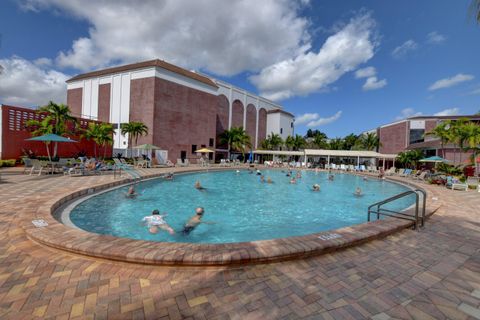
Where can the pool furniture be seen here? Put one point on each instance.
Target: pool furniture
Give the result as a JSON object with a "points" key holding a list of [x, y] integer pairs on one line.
{"points": [[421, 176], [37, 166], [27, 165], [406, 173], [473, 182], [391, 171], [455, 184]]}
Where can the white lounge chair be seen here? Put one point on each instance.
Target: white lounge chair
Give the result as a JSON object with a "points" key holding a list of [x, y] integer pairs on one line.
{"points": [[36, 166]]}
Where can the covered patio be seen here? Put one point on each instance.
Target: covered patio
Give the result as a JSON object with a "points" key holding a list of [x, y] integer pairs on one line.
{"points": [[325, 157]]}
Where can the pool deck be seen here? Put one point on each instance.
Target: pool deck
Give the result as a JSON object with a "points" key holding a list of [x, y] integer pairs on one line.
{"points": [[429, 274]]}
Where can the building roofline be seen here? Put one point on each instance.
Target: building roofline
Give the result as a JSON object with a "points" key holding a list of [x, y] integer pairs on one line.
{"points": [[471, 117], [145, 64], [281, 111]]}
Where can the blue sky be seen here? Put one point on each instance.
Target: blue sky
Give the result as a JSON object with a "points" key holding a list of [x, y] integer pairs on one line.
{"points": [[417, 57]]}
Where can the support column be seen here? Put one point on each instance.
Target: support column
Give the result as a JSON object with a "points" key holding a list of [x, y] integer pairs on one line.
{"points": [[358, 162], [257, 107], [230, 108], [383, 164], [328, 161], [245, 110]]}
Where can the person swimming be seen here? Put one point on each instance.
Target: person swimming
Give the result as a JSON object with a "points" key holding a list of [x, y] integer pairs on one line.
{"points": [[237, 172], [131, 192], [258, 172], [365, 178], [331, 177], [262, 179], [316, 187], [358, 192], [269, 180], [155, 221], [298, 175], [198, 186], [194, 221], [293, 180], [169, 176]]}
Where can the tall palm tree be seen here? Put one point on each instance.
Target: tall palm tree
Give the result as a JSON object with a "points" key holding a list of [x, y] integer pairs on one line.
{"points": [[471, 133], [60, 118], [134, 130], [237, 139], [275, 141], [101, 134], [290, 142], [40, 128], [369, 141], [441, 132], [455, 135]]}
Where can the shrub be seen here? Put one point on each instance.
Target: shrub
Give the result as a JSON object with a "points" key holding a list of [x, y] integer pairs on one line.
{"points": [[7, 163]]}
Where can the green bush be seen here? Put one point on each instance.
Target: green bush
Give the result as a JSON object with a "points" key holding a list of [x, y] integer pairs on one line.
{"points": [[7, 163]]}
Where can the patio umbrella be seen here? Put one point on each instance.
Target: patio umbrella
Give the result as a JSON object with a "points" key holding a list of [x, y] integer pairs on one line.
{"points": [[434, 159], [51, 137], [147, 146], [204, 150]]}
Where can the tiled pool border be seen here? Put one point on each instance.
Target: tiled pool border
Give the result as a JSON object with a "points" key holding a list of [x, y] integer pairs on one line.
{"points": [[59, 236]]}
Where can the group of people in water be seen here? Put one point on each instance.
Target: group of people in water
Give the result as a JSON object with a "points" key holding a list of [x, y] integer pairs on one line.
{"points": [[156, 222]]}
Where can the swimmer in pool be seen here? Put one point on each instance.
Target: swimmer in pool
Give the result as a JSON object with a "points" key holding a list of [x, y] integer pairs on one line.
{"points": [[198, 186], [299, 174], [156, 221], [194, 221], [262, 179], [365, 179], [316, 187], [259, 173], [293, 180], [358, 192], [131, 193], [169, 176], [331, 177], [269, 180]]}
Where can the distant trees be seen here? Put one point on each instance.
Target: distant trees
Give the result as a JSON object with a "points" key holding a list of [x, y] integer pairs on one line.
{"points": [[237, 139], [101, 134]]}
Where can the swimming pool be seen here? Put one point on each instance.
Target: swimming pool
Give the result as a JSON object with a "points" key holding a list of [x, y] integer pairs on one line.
{"points": [[239, 205]]}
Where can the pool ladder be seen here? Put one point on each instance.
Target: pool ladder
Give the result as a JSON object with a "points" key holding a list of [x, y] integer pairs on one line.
{"points": [[377, 209]]}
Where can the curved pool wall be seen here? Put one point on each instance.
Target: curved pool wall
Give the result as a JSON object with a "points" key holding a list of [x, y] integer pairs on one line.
{"points": [[242, 208]]}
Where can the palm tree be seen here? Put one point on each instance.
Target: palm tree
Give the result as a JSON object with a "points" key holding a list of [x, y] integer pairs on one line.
{"points": [[59, 117], [320, 140], [454, 128], [335, 144], [134, 130], [290, 142], [349, 141], [471, 134], [298, 142], [369, 141], [441, 132], [237, 139], [101, 134], [475, 10], [40, 128], [410, 158], [275, 141]]}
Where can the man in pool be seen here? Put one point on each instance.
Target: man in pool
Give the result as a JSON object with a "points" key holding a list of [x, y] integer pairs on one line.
{"points": [[199, 187], [358, 192], [155, 222], [316, 187], [194, 221], [131, 192]]}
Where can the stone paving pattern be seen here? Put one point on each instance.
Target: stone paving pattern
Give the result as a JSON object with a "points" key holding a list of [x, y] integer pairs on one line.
{"points": [[429, 274]]}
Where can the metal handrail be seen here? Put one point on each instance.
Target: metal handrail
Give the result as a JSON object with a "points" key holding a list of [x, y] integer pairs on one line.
{"points": [[400, 215]]}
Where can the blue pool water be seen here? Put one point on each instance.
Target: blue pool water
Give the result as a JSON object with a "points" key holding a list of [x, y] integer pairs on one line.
{"points": [[242, 208]]}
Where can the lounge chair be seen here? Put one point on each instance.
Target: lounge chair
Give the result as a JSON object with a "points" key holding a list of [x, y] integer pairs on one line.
{"points": [[28, 165], [391, 171], [406, 173], [421, 176], [37, 166], [343, 167], [473, 182], [454, 184]]}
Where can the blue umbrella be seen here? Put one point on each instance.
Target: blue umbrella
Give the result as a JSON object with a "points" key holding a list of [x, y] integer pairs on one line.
{"points": [[50, 137], [434, 159]]}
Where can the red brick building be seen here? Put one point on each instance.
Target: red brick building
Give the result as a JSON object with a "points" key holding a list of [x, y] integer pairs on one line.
{"points": [[183, 110], [13, 135], [410, 133]]}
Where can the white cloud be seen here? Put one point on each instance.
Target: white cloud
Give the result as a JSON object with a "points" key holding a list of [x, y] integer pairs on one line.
{"points": [[407, 113], [436, 38], [365, 72], [404, 49], [223, 37], [310, 71], [373, 83], [314, 120], [27, 84], [475, 91], [448, 112], [450, 82], [306, 117]]}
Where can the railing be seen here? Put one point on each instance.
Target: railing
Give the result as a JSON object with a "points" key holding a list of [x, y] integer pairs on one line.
{"points": [[377, 209]]}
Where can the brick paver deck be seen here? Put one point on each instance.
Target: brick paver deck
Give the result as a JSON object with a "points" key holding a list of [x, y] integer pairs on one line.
{"points": [[430, 274]]}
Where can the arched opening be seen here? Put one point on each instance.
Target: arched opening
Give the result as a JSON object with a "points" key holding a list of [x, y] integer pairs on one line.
{"points": [[221, 123], [237, 114], [262, 125], [251, 123]]}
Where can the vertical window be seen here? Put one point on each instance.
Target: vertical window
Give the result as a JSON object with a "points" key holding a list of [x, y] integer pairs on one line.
{"points": [[281, 130], [183, 155], [203, 146], [291, 124], [194, 148], [211, 142]]}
